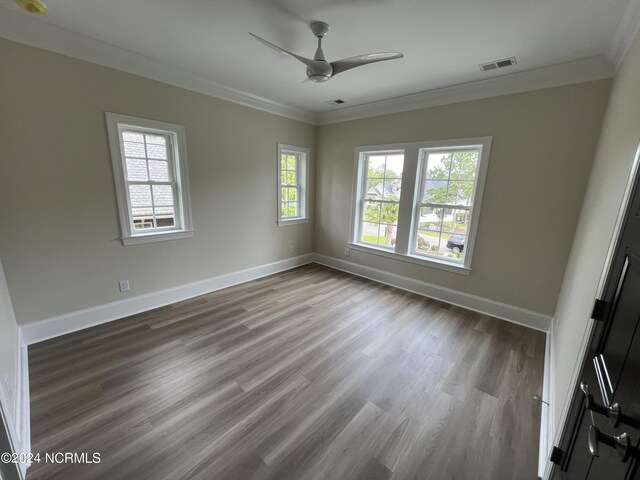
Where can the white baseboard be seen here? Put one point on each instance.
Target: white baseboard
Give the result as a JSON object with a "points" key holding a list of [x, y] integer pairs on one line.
{"points": [[23, 402], [15, 408], [546, 417], [53, 327], [510, 313]]}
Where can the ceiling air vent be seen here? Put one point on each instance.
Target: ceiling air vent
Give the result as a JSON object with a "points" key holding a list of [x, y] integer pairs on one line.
{"points": [[337, 101], [505, 62]]}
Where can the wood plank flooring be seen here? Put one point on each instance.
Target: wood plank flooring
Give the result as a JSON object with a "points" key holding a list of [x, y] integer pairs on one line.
{"points": [[308, 374]]}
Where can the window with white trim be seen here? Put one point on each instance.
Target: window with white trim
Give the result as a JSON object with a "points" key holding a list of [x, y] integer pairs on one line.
{"points": [[292, 184], [420, 202], [150, 172]]}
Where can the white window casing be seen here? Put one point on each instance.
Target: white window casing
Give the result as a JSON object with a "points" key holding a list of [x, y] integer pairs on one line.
{"points": [[149, 162], [453, 217], [293, 180]]}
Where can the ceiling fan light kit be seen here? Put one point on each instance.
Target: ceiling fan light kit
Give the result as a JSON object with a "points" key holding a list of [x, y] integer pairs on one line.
{"points": [[318, 69]]}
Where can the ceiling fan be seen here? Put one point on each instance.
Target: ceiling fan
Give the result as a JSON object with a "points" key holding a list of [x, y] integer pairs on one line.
{"points": [[318, 69]]}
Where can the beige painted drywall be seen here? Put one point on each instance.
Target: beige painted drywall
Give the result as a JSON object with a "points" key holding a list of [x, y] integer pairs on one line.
{"points": [[8, 350], [59, 231], [603, 201], [543, 146]]}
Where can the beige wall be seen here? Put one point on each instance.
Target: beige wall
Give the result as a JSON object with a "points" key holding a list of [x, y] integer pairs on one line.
{"points": [[8, 350], [59, 231], [603, 201], [543, 147]]}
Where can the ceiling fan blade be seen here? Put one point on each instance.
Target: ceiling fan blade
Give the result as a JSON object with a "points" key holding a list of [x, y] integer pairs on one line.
{"points": [[340, 66], [307, 61]]}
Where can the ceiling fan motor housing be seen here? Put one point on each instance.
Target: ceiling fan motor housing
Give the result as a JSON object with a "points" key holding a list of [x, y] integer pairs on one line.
{"points": [[321, 72]]}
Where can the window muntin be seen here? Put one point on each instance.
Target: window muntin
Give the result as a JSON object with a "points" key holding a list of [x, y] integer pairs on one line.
{"points": [[150, 172], [448, 179], [438, 202], [380, 202], [292, 184]]}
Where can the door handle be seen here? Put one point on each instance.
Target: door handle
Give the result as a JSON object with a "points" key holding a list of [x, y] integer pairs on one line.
{"points": [[621, 443], [613, 413]]}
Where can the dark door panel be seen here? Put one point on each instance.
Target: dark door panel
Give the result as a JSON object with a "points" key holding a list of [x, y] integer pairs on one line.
{"points": [[611, 370]]}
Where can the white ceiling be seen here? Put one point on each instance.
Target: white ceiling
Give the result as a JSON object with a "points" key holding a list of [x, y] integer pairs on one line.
{"points": [[443, 40]]}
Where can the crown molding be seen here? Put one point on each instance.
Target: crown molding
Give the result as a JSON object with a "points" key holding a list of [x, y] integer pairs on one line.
{"points": [[18, 27], [33, 31], [594, 68], [625, 34]]}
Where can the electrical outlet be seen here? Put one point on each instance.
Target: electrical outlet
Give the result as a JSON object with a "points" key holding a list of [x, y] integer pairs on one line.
{"points": [[347, 252], [290, 248], [123, 285]]}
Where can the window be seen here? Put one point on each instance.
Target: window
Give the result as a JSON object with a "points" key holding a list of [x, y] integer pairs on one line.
{"points": [[292, 184], [150, 171], [420, 202], [381, 203]]}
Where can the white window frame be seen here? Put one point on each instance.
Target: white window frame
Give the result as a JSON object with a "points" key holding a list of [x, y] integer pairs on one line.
{"points": [[415, 158], [302, 174], [177, 158]]}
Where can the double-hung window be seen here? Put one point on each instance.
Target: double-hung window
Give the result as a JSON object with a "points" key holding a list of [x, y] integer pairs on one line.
{"points": [[292, 184], [150, 171], [420, 202]]}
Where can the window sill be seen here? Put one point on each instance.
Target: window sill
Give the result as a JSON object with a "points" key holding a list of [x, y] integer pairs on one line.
{"points": [[415, 259], [157, 237], [293, 221]]}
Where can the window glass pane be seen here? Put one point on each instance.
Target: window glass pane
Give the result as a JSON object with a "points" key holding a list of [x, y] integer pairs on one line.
{"points": [[291, 162], [162, 195], [156, 139], [430, 219], [283, 161], [292, 194], [290, 209], [291, 178], [372, 211], [137, 170], [142, 218], [140, 195], [165, 217], [457, 223], [438, 164], [391, 189], [460, 193], [464, 165], [394, 166], [425, 239], [132, 137], [156, 151], [435, 191], [159, 170], [376, 166], [133, 149], [374, 188], [142, 212], [371, 233]]}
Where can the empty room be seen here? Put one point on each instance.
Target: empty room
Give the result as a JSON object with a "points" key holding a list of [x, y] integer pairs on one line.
{"points": [[340, 240]]}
